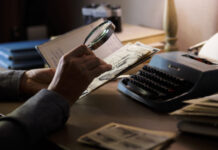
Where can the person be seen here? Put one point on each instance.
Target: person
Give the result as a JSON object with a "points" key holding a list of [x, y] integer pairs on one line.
{"points": [[56, 90]]}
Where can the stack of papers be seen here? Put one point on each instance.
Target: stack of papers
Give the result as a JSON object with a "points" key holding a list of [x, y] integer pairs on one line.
{"points": [[116, 136], [201, 116]]}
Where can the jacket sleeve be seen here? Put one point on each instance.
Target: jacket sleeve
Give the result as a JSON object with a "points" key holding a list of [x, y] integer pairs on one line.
{"points": [[41, 115], [9, 84]]}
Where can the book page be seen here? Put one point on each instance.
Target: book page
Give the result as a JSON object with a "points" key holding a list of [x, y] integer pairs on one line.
{"points": [[54, 49], [210, 49]]}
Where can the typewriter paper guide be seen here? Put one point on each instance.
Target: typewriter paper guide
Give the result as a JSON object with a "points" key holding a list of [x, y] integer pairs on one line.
{"points": [[54, 49], [210, 49]]}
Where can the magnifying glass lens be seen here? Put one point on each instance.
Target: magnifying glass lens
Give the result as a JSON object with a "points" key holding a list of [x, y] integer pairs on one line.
{"points": [[99, 35]]}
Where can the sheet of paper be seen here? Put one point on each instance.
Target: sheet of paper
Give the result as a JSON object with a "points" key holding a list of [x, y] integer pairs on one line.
{"points": [[210, 49], [54, 49], [122, 137], [206, 106], [210, 101], [121, 60]]}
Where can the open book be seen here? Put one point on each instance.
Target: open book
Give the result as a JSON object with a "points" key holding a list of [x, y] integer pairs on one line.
{"points": [[112, 51]]}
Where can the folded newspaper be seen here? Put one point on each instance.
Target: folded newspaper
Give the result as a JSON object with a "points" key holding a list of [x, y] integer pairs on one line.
{"points": [[122, 60], [116, 136]]}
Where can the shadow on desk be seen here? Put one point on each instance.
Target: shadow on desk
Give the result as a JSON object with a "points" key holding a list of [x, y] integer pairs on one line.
{"points": [[107, 105]]}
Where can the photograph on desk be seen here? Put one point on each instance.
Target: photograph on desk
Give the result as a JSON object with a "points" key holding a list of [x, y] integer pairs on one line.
{"points": [[116, 136], [112, 51]]}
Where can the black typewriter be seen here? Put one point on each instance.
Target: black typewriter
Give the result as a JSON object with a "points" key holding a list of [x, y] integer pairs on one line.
{"points": [[171, 78]]}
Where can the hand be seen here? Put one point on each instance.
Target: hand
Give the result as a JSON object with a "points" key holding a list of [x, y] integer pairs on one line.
{"points": [[75, 72], [35, 80]]}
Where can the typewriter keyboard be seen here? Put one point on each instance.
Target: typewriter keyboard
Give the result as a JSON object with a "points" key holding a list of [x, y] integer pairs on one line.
{"points": [[153, 84]]}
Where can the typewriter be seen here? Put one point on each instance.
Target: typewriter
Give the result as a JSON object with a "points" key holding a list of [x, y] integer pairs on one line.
{"points": [[169, 79]]}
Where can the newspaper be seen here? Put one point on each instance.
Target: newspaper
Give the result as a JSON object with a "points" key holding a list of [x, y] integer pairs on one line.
{"points": [[121, 60], [116, 136]]}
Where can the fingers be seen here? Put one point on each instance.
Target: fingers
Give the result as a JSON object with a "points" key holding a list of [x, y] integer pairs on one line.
{"points": [[91, 62], [99, 70], [80, 51], [86, 61]]}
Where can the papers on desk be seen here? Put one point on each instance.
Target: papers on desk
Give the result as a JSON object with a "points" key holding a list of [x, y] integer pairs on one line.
{"points": [[121, 60], [122, 137], [201, 116]]}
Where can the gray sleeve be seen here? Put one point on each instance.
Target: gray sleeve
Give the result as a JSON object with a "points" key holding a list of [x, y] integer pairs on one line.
{"points": [[41, 115], [9, 84]]}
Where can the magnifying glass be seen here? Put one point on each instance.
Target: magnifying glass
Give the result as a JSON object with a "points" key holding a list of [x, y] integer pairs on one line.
{"points": [[99, 35]]}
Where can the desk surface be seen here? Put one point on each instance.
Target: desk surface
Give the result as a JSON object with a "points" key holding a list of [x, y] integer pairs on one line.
{"points": [[107, 105]]}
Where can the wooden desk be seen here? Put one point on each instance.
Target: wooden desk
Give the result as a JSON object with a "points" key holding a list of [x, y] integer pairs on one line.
{"points": [[107, 105], [134, 33]]}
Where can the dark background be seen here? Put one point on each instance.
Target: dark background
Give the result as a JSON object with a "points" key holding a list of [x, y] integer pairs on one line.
{"points": [[59, 16]]}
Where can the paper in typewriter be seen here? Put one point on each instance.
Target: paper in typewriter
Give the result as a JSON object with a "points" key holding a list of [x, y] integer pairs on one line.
{"points": [[210, 49], [116, 136]]}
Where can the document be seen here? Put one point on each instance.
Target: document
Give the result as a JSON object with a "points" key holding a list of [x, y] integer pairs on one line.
{"points": [[201, 116], [210, 49], [121, 60], [205, 107], [116, 136]]}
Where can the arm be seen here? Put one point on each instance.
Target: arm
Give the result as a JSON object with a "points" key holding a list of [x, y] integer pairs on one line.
{"points": [[9, 84], [48, 110], [41, 115], [17, 84]]}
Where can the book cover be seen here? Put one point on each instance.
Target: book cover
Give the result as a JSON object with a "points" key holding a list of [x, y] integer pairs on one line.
{"points": [[23, 55], [27, 64], [11, 49]]}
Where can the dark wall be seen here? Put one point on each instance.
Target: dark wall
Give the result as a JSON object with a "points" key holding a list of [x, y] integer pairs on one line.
{"points": [[11, 16], [59, 16]]}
